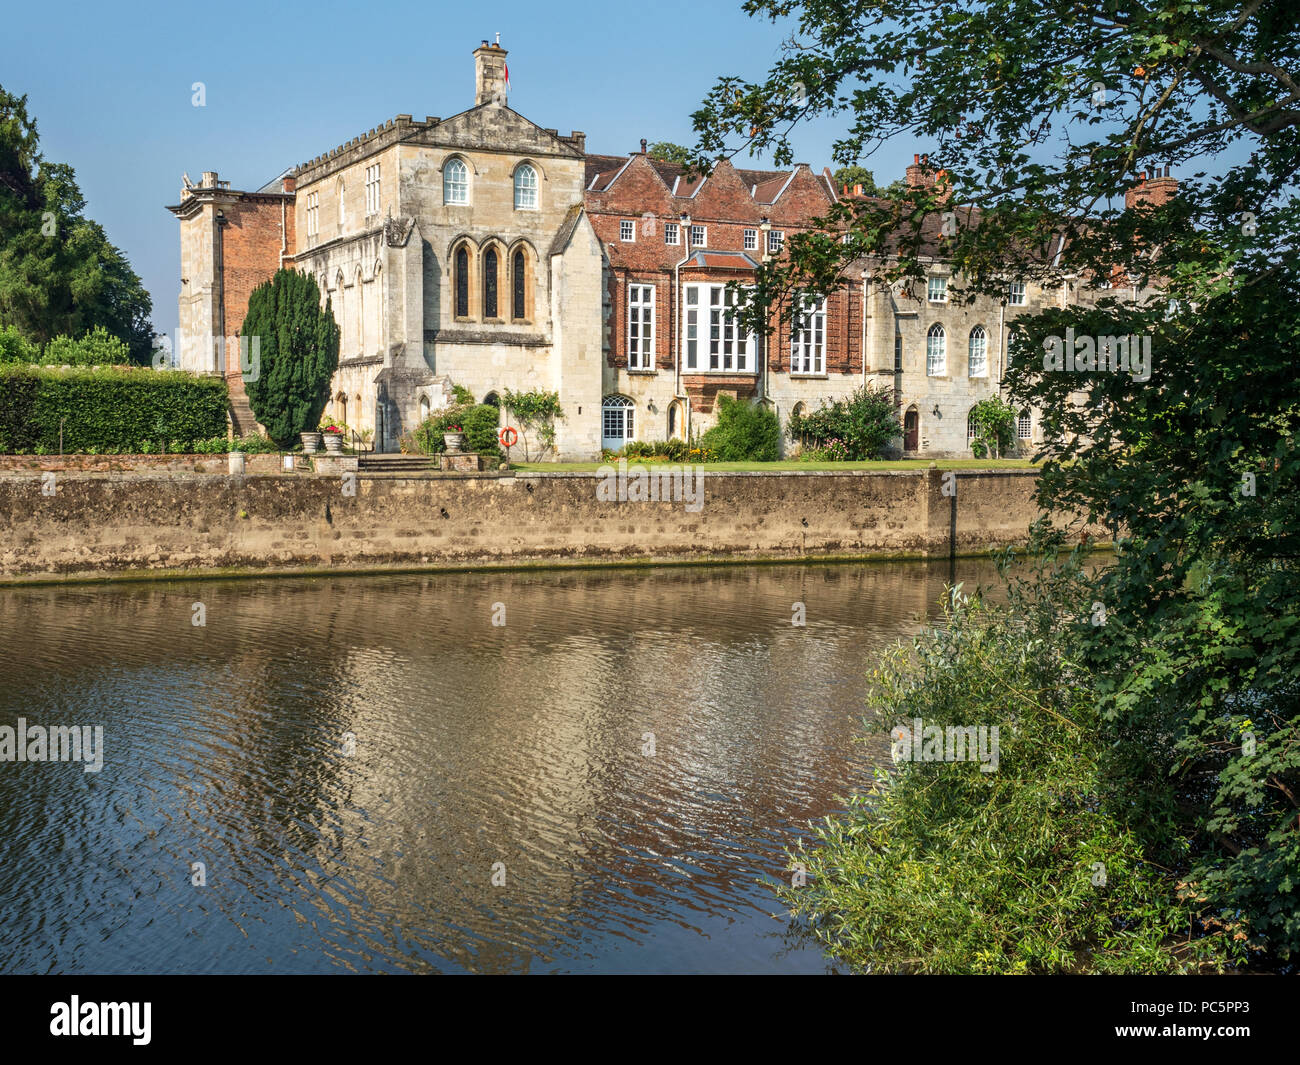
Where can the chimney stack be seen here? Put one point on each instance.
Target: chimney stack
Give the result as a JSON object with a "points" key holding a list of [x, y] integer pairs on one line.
{"points": [[1155, 189], [489, 75]]}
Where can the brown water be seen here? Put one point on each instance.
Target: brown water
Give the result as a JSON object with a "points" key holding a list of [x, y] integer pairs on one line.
{"points": [[524, 744]]}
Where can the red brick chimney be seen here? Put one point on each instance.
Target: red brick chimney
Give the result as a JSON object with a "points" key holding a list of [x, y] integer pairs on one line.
{"points": [[920, 175], [1156, 189]]}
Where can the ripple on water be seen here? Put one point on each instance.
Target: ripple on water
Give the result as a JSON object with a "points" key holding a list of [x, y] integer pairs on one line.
{"points": [[637, 749]]}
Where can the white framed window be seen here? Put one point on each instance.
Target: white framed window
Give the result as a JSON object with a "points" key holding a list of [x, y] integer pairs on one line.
{"points": [[640, 327], [525, 188], [1024, 425], [699, 236], [715, 341], [672, 233], [313, 213], [751, 240], [627, 231], [938, 290], [775, 241], [898, 353], [455, 182], [977, 363], [970, 426], [936, 355], [1016, 293], [615, 422], [372, 190], [808, 339]]}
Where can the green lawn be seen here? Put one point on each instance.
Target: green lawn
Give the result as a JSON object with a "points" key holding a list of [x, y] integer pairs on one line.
{"points": [[793, 464]]}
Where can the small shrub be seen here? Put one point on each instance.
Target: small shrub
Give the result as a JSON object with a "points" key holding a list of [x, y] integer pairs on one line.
{"points": [[865, 422], [746, 432], [478, 422]]}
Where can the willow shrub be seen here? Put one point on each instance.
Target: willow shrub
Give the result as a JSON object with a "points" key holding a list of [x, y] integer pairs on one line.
{"points": [[943, 868]]}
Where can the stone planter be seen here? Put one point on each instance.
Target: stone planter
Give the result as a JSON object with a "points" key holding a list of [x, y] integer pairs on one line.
{"points": [[310, 443], [453, 441], [333, 443], [238, 464]]}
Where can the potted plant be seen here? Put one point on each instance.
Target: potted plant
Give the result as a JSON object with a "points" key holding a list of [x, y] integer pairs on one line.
{"points": [[333, 435], [453, 437]]}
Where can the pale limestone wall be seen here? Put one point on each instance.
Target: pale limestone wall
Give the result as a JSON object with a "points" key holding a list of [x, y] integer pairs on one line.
{"points": [[197, 302], [100, 524]]}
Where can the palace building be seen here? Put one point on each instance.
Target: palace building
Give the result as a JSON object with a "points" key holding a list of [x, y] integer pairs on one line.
{"points": [[488, 252]]}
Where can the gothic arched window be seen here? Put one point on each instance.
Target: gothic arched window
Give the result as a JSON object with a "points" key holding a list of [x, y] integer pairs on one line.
{"points": [[462, 282], [490, 283], [519, 283]]}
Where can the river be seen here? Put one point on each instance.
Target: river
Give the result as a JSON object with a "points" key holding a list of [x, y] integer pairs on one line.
{"points": [[546, 771]]}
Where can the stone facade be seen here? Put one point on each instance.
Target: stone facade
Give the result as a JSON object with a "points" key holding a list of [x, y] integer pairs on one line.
{"points": [[485, 251]]}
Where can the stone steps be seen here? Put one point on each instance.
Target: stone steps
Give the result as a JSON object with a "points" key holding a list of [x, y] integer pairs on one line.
{"points": [[397, 463]]}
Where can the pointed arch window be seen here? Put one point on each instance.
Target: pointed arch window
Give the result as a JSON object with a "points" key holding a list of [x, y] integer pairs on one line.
{"points": [[462, 282], [519, 283], [455, 182], [978, 361], [490, 283], [936, 355]]}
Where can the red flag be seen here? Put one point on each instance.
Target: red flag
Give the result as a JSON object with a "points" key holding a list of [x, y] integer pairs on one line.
{"points": [[507, 77]]}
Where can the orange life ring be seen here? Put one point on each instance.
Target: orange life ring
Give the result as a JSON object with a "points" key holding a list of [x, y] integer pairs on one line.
{"points": [[508, 436]]}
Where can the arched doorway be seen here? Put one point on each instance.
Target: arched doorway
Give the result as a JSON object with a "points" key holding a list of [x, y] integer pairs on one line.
{"points": [[911, 430], [616, 422]]}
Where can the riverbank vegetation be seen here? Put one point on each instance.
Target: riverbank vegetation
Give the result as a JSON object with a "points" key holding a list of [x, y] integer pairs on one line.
{"points": [[1150, 711]]}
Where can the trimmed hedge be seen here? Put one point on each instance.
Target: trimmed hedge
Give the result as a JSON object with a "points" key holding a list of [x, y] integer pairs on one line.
{"points": [[104, 410]]}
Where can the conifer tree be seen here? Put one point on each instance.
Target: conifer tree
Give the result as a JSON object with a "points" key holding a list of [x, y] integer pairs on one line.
{"points": [[298, 352]]}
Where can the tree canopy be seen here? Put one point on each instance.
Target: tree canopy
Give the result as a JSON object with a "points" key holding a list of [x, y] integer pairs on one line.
{"points": [[59, 274], [1037, 119], [298, 352]]}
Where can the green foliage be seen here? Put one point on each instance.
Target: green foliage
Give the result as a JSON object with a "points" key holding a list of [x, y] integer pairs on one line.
{"points": [[1192, 677], [995, 427], [299, 352], [106, 410], [96, 348], [674, 450], [536, 413], [746, 432], [15, 348], [462, 395], [858, 427], [59, 274], [478, 421], [669, 152], [945, 868]]}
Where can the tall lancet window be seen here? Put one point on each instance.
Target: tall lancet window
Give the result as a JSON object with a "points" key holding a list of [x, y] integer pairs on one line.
{"points": [[490, 284], [462, 282], [517, 272]]}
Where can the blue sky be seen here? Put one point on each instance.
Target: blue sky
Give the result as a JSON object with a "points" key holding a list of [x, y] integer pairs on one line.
{"points": [[110, 87]]}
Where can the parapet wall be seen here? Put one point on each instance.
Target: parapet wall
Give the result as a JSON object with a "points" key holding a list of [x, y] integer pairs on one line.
{"points": [[116, 524]]}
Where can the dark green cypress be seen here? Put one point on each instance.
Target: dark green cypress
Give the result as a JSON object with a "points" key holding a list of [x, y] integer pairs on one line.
{"points": [[299, 354]]}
